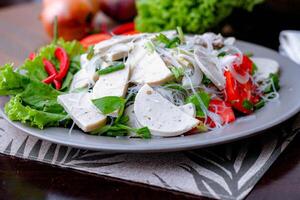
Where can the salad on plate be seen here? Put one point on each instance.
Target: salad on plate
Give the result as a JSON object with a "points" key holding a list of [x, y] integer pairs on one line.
{"points": [[139, 86]]}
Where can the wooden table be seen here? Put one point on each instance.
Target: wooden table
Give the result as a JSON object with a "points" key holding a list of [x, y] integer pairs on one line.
{"points": [[21, 33]]}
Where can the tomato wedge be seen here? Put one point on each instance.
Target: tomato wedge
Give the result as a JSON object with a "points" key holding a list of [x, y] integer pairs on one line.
{"points": [[123, 28], [94, 39], [223, 109], [241, 96]]}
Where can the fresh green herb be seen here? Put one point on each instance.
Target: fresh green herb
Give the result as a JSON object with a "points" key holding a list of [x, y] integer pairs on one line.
{"points": [[150, 46], [176, 86], [162, 39], [173, 43], [55, 31], [168, 43], [90, 52], [111, 69], [260, 104], [67, 82], [222, 54], [247, 104], [206, 81], [196, 98], [274, 78], [144, 132], [180, 34], [109, 104], [254, 68], [177, 72]]}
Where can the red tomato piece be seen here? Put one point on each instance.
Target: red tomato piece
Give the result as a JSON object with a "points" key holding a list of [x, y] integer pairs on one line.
{"points": [[222, 109], [94, 39]]}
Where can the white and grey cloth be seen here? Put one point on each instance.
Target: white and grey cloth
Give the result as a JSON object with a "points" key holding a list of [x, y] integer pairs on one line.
{"points": [[290, 45], [227, 171]]}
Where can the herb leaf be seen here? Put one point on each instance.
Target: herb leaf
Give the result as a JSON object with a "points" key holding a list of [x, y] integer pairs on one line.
{"points": [[168, 43], [144, 132], [177, 72], [206, 81], [204, 97], [275, 79], [109, 104], [111, 69], [90, 52], [247, 104], [180, 34]]}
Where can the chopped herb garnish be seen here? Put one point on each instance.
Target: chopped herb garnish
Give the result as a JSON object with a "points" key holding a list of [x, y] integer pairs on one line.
{"points": [[247, 104], [206, 81], [168, 43], [180, 34], [144, 132], [150, 46], [274, 78], [90, 52], [260, 104], [177, 72], [254, 68], [111, 69], [196, 98], [222, 54], [175, 86], [109, 104]]}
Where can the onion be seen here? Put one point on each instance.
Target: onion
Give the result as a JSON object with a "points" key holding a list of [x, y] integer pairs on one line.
{"points": [[74, 17], [119, 10]]}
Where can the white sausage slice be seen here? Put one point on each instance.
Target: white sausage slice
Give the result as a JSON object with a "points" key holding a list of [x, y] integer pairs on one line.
{"points": [[159, 115]]}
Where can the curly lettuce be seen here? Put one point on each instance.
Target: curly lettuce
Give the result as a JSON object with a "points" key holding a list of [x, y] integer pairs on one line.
{"points": [[32, 101], [194, 16], [16, 111]]}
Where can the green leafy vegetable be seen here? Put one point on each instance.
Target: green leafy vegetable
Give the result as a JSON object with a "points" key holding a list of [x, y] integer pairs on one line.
{"points": [[177, 72], [274, 78], [222, 54], [259, 105], [90, 52], [254, 69], [202, 96], [175, 86], [168, 43], [194, 16], [111, 69], [34, 69], [206, 81], [16, 111], [34, 102], [11, 83], [247, 104], [109, 104], [144, 132], [180, 34]]}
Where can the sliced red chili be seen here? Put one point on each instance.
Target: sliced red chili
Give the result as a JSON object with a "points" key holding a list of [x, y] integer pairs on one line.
{"points": [[49, 67], [123, 28], [57, 84], [32, 56], [50, 79], [64, 65], [94, 39]]}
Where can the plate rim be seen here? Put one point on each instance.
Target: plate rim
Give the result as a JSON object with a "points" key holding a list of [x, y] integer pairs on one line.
{"points": [[185, 146]]}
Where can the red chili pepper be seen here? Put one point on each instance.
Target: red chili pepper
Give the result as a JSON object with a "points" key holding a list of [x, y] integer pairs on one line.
{"points": [[50, 79], [123, 28], [64, 65], [49, 67], [94, 39], [131, 32], [31, 56], [57, 84]]}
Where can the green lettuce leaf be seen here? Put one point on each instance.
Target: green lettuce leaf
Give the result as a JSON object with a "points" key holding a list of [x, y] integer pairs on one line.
{"points": [[34, 69], [16, 111]]}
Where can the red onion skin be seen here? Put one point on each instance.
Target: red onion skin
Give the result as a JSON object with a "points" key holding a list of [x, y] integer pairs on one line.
{"points": [[119, 10]]}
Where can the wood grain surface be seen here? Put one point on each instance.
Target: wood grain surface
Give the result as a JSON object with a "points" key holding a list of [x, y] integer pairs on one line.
{"points": [[21, 33]]}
